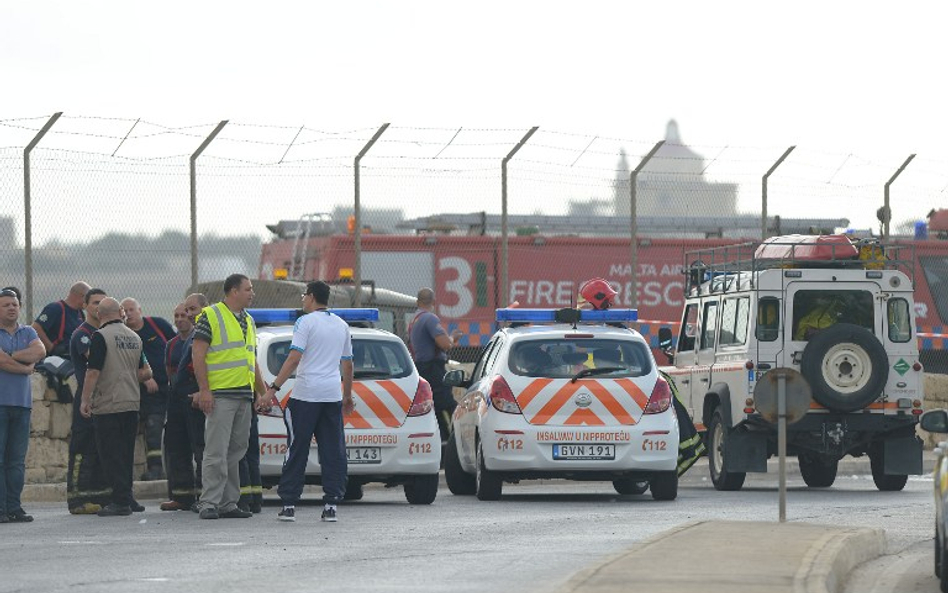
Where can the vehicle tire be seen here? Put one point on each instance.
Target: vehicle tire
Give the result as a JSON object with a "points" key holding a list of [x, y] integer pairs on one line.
{"points": [[943, 577], [489, 485], [630, 486], [664, 485], [817, 473], [353, 491], [884, 482], [717, 451], [422, 489], [459, 481], [846, 366]]}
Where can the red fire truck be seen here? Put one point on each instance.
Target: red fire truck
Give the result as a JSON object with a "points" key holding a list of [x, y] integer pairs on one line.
{"points": [[546, 271]]}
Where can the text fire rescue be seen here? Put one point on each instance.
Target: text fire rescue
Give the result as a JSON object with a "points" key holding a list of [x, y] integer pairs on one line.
{"points": [[538, 293]]}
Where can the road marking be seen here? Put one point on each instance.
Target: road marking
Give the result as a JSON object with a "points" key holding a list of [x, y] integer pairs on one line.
{"points": [[227, 544]]}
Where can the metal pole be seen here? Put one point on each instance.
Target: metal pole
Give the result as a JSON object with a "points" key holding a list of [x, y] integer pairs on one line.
{"points": [[504, 269], [634, 223], [357, 207], [197, 153], [763, 192], [887, 211], [28, 214], [782, 441]]}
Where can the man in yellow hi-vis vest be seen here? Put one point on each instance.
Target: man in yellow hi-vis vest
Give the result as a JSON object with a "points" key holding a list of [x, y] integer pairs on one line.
{"points": [[225, 366]]}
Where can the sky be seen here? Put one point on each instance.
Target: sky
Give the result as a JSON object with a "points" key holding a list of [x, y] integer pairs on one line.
{"points": [[840, 77]]}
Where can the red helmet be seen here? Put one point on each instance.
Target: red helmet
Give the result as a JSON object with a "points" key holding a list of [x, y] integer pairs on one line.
{"points": [[598, 293]]}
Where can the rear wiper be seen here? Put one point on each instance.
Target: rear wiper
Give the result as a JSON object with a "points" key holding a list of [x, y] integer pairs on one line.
{"points": [[364, 374], [598, 371]]}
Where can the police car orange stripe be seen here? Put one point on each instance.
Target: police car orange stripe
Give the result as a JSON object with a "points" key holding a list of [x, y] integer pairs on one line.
{"points": [[355, 420], [584, 416], [556, 402], [526, 396], [614, 407], [634, 391], [376, 405], [401, 398]]}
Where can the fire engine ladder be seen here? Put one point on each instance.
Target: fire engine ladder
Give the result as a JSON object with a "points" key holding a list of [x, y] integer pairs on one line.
{"points": [[304, 228]]}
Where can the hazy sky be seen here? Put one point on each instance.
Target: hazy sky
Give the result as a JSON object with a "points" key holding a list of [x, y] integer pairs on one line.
{"points": [[835, 74], [845, 76]]}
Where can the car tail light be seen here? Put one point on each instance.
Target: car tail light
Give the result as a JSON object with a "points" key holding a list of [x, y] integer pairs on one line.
{"points": [[660, 399], [502, 398], [423, 402]]}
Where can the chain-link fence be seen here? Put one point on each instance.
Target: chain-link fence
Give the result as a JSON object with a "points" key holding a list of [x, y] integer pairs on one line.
{"points": [[461, 210]]}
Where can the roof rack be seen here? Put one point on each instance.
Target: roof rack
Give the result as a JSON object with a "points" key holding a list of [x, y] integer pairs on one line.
{"points": [[733, 267]]}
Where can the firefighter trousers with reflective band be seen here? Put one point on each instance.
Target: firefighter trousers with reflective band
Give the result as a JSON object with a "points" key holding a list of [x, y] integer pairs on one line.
{"points": [[251, 485], [184, 449], [115, 436], [690, 445], [304, 420], [85, 481]]}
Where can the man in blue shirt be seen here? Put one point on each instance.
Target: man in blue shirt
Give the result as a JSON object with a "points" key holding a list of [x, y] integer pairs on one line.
{"points": [[429, 344], [56, 322], [20, 349]]}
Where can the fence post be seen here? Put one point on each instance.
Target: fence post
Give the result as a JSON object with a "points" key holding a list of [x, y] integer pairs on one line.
{"points": [[886, 210], [634, 223], [193, 168], [504, 269], [357, 207], [763, 192], [28, 214]]}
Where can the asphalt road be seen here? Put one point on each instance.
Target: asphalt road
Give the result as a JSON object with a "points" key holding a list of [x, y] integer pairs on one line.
{"points": [[532, 540]]}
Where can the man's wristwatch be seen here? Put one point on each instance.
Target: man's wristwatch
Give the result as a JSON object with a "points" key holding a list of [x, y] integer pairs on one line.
{"points": [[274, 387]]}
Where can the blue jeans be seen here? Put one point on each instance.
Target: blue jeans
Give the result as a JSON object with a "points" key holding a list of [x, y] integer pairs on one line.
{"points": [[14, 440]]}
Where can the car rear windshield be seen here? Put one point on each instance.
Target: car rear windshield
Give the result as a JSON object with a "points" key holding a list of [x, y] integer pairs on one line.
{"points": [[371, 359], [560, 358]]}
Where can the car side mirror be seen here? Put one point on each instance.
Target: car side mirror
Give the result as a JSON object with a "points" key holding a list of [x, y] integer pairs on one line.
{"points": [[935, 421], [665, 343], [456, 378]]}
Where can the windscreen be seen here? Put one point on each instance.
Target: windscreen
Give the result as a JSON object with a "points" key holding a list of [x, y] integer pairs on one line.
{"points": [[371, 359], [563, 357]]}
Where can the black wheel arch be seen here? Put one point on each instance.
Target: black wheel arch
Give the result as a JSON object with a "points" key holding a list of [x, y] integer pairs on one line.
{"points": [[719, 395]]}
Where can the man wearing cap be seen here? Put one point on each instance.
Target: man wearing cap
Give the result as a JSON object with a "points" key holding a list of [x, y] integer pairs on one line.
{"points": [[20, 349]]}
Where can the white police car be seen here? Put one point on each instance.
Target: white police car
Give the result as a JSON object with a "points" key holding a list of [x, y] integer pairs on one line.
{"points": [[563, 394], [392, 435]]}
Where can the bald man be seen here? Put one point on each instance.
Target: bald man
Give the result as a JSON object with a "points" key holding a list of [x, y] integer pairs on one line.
{"points": [[155, 333], [110, 397], [56, 322]]}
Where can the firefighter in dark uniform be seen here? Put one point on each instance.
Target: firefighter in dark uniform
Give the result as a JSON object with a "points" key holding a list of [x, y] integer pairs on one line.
{"points": [[58, 320], [599, 294], [179, 456], [155, 333], [86, 490]]}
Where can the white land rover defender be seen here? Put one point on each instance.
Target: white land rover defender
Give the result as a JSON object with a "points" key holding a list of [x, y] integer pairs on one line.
{"points": [[842, 314]]}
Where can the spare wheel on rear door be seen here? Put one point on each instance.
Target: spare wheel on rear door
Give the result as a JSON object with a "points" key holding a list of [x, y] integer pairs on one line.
{"points": [[846, 367]]}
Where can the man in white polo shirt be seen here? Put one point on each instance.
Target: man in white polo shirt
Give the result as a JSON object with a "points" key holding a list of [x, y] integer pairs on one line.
{"points": [[321, 355]]}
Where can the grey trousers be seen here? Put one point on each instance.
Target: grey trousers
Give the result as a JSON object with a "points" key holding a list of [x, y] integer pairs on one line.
{"points": [[226, 434]]}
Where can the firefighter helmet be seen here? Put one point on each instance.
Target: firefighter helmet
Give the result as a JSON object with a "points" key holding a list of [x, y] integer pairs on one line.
{"points": [[598, 293]]}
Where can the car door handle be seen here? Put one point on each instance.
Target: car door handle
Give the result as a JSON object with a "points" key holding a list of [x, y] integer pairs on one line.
{"points": [[704, 380], [685, 381]]}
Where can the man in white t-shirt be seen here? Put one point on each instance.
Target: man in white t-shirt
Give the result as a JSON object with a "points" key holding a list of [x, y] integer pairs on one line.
{"points": [[321, 355]]}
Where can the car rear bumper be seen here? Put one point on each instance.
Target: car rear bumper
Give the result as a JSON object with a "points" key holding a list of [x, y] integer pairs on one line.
{"points": [[511, 445], [414, 448]]}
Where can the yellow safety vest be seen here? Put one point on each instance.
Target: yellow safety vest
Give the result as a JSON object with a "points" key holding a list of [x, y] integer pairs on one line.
{"points": [[230, 358]]}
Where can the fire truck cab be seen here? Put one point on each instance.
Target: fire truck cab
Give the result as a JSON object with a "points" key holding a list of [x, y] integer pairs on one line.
{"points": [[839, 312]]}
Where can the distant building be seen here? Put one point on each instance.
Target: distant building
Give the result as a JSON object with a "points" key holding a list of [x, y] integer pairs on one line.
{"points": [[671, 185]]}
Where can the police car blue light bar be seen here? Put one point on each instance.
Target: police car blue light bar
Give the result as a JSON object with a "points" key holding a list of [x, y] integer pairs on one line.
{"points": [[291, 315], [517, 315]]}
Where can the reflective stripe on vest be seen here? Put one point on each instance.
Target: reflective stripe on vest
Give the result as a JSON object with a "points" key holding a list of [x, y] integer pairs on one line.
{"points": [[230, 360]]}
